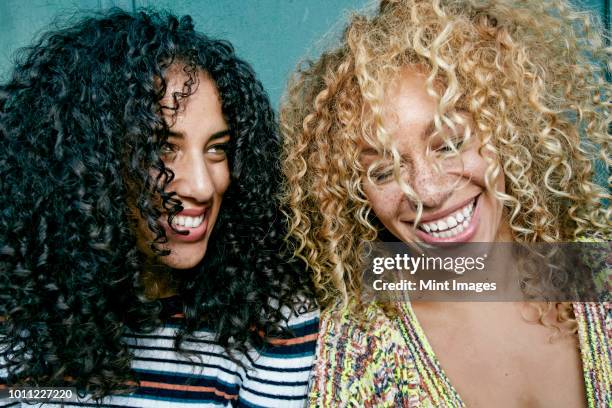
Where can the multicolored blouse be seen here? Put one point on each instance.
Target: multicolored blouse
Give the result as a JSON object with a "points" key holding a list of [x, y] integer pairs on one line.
{"points": [[388, 362]]}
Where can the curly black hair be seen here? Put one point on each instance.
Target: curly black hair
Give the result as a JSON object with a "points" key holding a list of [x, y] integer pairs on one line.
{"points": [[80, 129]]}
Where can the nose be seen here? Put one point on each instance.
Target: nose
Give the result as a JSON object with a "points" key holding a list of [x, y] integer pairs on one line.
{"points": [[192, 179], [432, 185]]}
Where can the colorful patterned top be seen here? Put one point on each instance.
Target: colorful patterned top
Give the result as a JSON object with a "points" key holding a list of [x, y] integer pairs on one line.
{"points": [[362, 363], [388, 362]]}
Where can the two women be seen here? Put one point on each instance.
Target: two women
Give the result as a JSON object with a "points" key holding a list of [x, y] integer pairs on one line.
{"points": [[140, 238], [449, 122], [142, 255]]}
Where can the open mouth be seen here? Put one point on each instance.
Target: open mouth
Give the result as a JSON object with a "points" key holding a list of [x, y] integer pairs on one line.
{"points": [[188, 221], [191, 224], [450, 225], [459, 226]]}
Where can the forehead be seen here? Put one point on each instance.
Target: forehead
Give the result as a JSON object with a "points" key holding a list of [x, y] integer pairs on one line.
{"points": [[196, 94], [407, 100], [178, 79], [407, 109]]}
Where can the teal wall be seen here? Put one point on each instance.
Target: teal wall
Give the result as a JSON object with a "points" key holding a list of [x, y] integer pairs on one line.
{"points": [[270, 34]]}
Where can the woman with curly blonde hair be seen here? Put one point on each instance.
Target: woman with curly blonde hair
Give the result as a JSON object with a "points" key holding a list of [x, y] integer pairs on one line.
{"points": [[451, 121]]}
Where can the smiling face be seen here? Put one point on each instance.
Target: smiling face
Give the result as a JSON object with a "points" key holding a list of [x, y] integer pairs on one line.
{"points": [[457, 206], [196, 154]]}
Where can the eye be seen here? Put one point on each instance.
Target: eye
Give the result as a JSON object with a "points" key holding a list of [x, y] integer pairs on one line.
{"points": [[218, 149], [168, 150], [383, 174], [446, 148]]}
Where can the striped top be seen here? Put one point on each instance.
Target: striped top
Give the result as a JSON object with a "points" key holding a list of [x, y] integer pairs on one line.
{"points": [[276, 376], [388, 362]]}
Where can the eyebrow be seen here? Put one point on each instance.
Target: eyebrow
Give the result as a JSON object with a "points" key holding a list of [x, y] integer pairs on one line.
{"points": [[216, 135]]}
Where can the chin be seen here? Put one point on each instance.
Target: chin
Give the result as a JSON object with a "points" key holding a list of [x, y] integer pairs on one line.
{"points": [[181, 263], [178, 259]]}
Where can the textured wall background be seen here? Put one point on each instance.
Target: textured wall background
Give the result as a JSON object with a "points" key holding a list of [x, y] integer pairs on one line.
{"points": [[271, 34]]}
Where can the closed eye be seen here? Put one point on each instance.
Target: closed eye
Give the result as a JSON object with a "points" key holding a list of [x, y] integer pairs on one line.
{"points": [[447, 148], [383, 174]]}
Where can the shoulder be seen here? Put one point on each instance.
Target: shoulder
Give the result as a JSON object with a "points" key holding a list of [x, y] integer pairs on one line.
{"points": [[595, 335], [346, 329], [361, 360], [594, 317], [277, 374], [299, 338]]}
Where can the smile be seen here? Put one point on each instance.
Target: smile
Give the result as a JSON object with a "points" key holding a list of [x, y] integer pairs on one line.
{"points": [[187, 221], [193, 222], [455, 225], [450, 225]]}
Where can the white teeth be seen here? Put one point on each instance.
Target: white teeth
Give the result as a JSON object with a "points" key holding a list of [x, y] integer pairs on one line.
{"points": [[442, 225], [452, 224], [189, 222]]}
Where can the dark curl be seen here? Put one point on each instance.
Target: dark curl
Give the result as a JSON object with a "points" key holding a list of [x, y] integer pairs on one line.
{"points": [[80, 130]]}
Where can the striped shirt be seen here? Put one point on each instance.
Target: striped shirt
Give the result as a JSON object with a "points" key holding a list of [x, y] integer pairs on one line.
{"points": [[275, 376]]}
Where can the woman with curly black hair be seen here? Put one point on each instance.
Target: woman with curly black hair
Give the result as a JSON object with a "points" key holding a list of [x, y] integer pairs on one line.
{"points": [[141, 254]]}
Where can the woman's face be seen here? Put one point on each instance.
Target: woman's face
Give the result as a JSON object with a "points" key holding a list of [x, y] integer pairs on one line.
{"points": [[457, 206], [196, 153]]}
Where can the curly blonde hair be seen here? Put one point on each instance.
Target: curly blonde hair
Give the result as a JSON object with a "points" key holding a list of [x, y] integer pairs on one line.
{"points": [[529, 74]]}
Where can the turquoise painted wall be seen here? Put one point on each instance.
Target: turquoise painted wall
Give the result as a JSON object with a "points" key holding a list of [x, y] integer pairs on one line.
{"points": [[271, 34]]}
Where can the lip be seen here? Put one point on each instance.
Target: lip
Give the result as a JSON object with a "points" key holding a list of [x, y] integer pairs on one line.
{"points": [[193, 234], [464, 236], [192, 212], [444, 213]]}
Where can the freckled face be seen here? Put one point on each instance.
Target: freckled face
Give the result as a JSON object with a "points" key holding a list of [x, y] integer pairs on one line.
{"points": [[457, 206], [196, 153]]}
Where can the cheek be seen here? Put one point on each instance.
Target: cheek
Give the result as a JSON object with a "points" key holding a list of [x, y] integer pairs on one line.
{"points": [[501, 183], [477, 165], [220, 177], [474, 166], [384, 200]]}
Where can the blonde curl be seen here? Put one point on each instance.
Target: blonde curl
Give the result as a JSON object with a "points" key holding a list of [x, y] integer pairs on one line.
{"points": [[531, 76]]}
